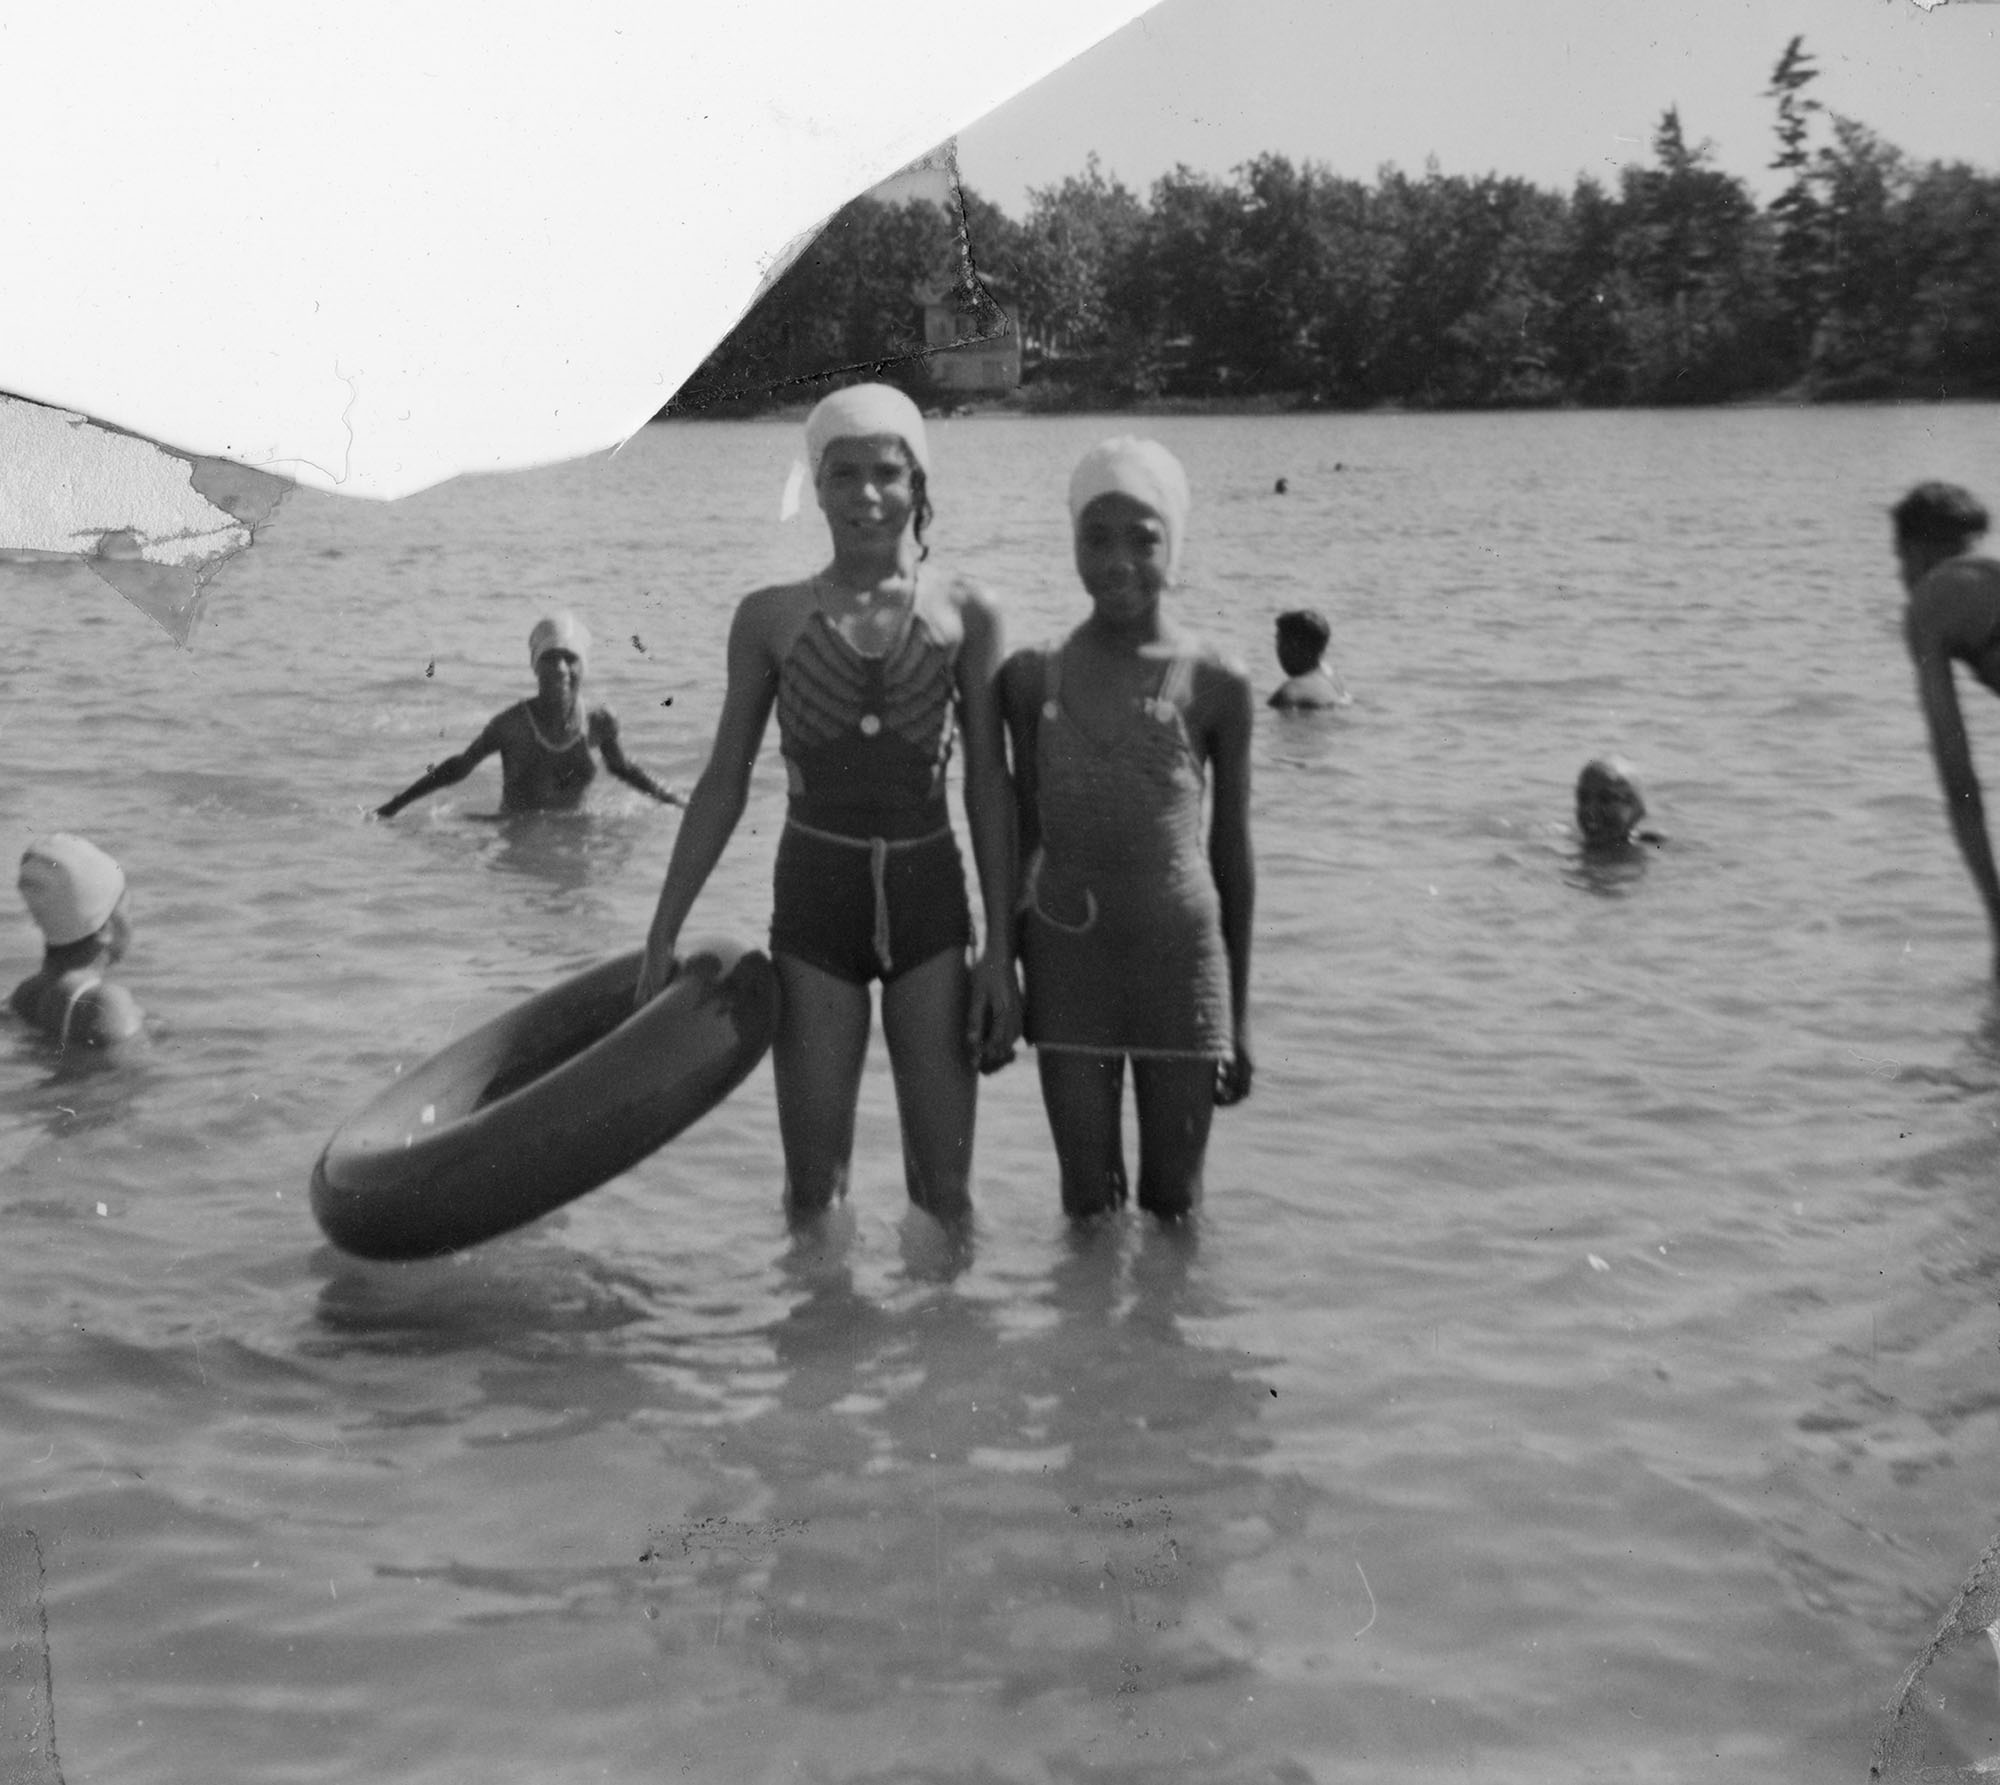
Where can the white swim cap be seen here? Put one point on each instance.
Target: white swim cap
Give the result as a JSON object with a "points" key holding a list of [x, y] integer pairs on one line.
{"points": [[71, 887], [559, 632], [859, 413], [1141, 469]]}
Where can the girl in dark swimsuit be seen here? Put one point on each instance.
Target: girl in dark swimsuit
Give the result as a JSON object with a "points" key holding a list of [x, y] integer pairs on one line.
{"points": [[1135, 914], [544, 743], [866, 664]]}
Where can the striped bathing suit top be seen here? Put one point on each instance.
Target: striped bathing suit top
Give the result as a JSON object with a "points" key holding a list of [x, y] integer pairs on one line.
{"points": [[866, 737]]}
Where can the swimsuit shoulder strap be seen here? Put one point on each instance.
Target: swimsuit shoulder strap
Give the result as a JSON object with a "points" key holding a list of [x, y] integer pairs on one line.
{"points": [[582, 734], [1178, 682], [1052, 656], [89, 983]]}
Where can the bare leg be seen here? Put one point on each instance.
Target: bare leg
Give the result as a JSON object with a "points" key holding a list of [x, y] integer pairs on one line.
{"points": [[817, 1057], [1175, 1100], [1082, 1093], [937, 1090]]}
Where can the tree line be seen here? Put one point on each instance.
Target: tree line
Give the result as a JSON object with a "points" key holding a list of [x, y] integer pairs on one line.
{"points": [[1867, 275]]}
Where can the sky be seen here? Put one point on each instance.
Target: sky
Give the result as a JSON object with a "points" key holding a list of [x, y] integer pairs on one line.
{"points": [[1543, 89], [370, 246]]}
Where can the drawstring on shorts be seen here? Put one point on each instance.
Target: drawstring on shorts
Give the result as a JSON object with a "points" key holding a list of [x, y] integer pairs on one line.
{"points": [[878, 867]]}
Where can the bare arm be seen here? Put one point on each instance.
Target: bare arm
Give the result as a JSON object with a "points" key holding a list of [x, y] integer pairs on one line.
{"points": [[604, 734], [1021, 682], [1939, 628], [993, 1017], [719, 796], [1231, 861], [446, 773]]}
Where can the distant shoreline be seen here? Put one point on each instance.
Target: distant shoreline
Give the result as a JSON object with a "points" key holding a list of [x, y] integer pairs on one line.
{"points": [[1035, 401]]}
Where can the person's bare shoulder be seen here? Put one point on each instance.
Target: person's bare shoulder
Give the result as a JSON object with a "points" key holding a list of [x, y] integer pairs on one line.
{"points": [[1219, 676], [773, 614], [1221, 700], [1956, 608], [504, 728], [958, 606], [1022, 678], [105, 1015], [1303, 694], [768, 621], [973, 591]]}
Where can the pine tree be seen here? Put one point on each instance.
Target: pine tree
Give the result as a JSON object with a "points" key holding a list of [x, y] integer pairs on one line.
{"points": [[1796, 212]]}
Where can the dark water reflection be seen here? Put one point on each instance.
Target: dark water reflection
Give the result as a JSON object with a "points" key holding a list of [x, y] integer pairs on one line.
{"points": [[1037, 1509], [1610, 874]]}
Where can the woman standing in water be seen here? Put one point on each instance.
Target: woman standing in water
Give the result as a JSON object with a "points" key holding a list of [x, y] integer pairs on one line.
{"points": [[866, 663], [1135, 927], [1953, 616], [544, 743]]}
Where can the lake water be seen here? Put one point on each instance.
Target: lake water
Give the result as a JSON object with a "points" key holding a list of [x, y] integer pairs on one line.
{"points": [[1584, 1367]]}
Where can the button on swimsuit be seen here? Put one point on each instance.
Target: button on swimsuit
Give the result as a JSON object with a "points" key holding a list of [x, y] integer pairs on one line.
{"points": [[869, 882]]}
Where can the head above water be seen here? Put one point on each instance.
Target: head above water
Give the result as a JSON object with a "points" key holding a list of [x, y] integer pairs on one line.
{"points": [[1935, 521], [559, 632], [72, 889], [1939, 514], [1303, 635], [1608, 802], [1141, 470]]}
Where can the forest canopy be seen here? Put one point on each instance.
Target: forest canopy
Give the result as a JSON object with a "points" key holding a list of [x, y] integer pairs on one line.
{"points": [[1290, 285]]}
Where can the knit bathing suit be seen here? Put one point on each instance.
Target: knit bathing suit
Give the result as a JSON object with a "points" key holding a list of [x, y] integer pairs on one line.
{"points": [[1121, 932]]}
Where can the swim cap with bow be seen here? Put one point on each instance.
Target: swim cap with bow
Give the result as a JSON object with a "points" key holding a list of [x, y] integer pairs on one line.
{"points": [[859, 413], [1141, 469], [71, 887]]}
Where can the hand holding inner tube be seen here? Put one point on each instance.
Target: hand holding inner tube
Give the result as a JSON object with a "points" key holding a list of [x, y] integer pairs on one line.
{"points": [[656, 972]]}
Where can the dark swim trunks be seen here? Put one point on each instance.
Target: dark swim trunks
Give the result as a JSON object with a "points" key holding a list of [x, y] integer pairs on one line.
{"points": [[863, 909]]}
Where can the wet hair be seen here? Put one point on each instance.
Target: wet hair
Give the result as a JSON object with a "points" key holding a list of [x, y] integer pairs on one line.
{"points": [[1303, 635], [920, 504], [1939, 514], [1608, 771]]}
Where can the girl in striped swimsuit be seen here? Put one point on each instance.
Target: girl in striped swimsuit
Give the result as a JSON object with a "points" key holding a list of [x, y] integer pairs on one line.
{"points": [[867, 664]]}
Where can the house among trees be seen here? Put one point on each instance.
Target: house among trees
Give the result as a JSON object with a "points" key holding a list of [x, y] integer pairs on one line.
{"points": [[974, 350], [1869, 275]]}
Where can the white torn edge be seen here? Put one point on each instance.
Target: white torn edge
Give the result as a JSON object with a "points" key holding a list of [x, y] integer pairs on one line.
{"points": [[153, 523]]}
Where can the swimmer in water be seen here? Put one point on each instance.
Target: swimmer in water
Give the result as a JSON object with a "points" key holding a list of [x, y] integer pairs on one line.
{"points": [[544, 743], [1302, 640], [1953, 616], [76, 895], [1609, 808]]}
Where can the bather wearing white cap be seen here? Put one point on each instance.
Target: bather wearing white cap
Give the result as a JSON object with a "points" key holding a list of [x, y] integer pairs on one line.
{"points": [[1141, 469], [71, 887], [559, 632], [860, 412]]}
